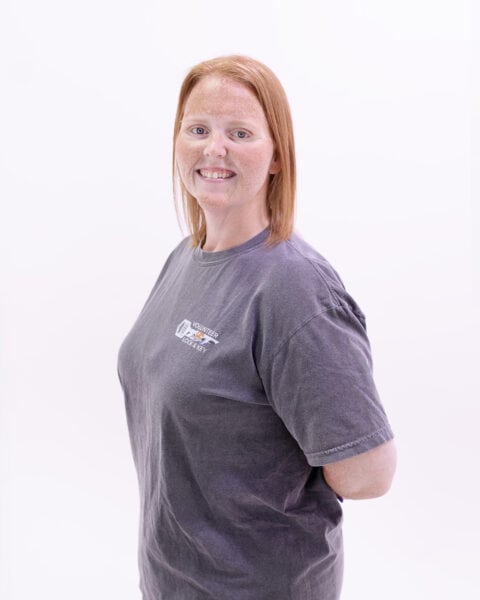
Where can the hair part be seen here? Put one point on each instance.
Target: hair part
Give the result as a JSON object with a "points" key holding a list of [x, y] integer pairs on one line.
{"points": [[269, 92]]}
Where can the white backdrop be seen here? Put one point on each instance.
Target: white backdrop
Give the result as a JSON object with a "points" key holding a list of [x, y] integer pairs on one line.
{"points": [[384, 104]]}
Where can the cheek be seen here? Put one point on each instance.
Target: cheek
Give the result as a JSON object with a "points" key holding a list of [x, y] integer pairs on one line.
{"points": [[258, 163], [185, 156]]}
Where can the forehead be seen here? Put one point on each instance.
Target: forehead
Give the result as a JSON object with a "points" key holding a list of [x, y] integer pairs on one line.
{"points": [[221, 96]]}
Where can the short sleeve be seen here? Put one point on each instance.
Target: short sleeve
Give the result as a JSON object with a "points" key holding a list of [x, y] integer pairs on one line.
{"points": [[320, 383]]}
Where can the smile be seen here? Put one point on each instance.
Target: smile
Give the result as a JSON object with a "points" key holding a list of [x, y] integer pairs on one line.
{"points": [[215, 174]]}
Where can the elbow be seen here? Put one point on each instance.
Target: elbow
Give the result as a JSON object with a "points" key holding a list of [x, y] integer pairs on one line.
{"points": [[361, 490], [369, 490], [363, 477]]}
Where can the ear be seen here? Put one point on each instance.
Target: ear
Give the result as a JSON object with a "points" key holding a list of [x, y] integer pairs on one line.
{"points": [[274, 165]]}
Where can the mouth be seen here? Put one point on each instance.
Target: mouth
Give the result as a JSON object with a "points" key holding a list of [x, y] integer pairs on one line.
{"points": [[215, 174]]}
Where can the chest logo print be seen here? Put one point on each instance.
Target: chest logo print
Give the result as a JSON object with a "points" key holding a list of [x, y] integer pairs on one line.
{"points": [[196, 335]]}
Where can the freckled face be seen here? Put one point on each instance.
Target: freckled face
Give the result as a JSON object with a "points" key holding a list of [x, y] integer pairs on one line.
{"points": [[224, 150]]}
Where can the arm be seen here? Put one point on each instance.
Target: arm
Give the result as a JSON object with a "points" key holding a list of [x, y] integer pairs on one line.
{"points": [[367, 475]]}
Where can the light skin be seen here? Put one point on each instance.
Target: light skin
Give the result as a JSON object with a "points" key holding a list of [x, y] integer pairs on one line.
{"points": [[367, 475], [224, 131], [225, 157]]}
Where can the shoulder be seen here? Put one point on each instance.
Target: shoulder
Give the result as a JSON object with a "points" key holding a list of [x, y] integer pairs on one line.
{"points": [[297, 285], [297, 270], [182, 249], [173, 261]]}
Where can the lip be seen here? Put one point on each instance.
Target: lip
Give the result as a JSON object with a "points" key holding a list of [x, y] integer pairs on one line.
{"points": [[215, 168], [211, 179]]}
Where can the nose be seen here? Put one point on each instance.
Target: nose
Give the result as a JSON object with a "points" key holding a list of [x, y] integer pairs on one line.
{"points": [[215, 145]]}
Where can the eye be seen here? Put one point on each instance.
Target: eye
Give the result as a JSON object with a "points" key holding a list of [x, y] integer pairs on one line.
{"points": [[241, 134], [198, 130]]}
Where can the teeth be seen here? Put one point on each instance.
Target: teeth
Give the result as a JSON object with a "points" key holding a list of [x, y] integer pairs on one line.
{"points": [[215, 174]]}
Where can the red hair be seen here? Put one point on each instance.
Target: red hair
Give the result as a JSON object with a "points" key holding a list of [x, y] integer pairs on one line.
{"points": [[273, 100]]}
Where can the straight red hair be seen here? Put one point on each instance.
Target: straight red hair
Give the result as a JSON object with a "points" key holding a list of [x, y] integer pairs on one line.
{"points": [[269, 92]]}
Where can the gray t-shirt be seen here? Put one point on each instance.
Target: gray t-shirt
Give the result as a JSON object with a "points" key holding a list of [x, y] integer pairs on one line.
{"points": [[245, 372]]}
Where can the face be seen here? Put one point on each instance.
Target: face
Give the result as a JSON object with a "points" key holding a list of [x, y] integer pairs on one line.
{"points": [[224, 150]]}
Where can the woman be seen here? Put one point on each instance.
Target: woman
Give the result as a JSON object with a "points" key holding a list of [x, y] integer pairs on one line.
{"points": [[247, 377]]}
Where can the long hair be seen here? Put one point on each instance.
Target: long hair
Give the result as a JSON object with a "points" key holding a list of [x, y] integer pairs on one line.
{"points": [[273, 100]]}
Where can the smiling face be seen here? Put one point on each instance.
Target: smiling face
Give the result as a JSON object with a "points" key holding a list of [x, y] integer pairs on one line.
{"points": [[224, 151]]}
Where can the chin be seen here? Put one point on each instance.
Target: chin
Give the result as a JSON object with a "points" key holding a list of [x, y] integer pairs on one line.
{"points": [[214, 201]]}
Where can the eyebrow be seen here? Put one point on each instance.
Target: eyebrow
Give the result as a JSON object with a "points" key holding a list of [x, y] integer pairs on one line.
{"points": [[232, 122]]}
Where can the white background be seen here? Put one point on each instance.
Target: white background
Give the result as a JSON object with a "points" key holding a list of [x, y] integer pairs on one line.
{"points": [[383, 99]]}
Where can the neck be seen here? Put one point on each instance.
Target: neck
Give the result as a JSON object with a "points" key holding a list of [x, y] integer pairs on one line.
{"points": [[224, 233], [227, 238]]}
